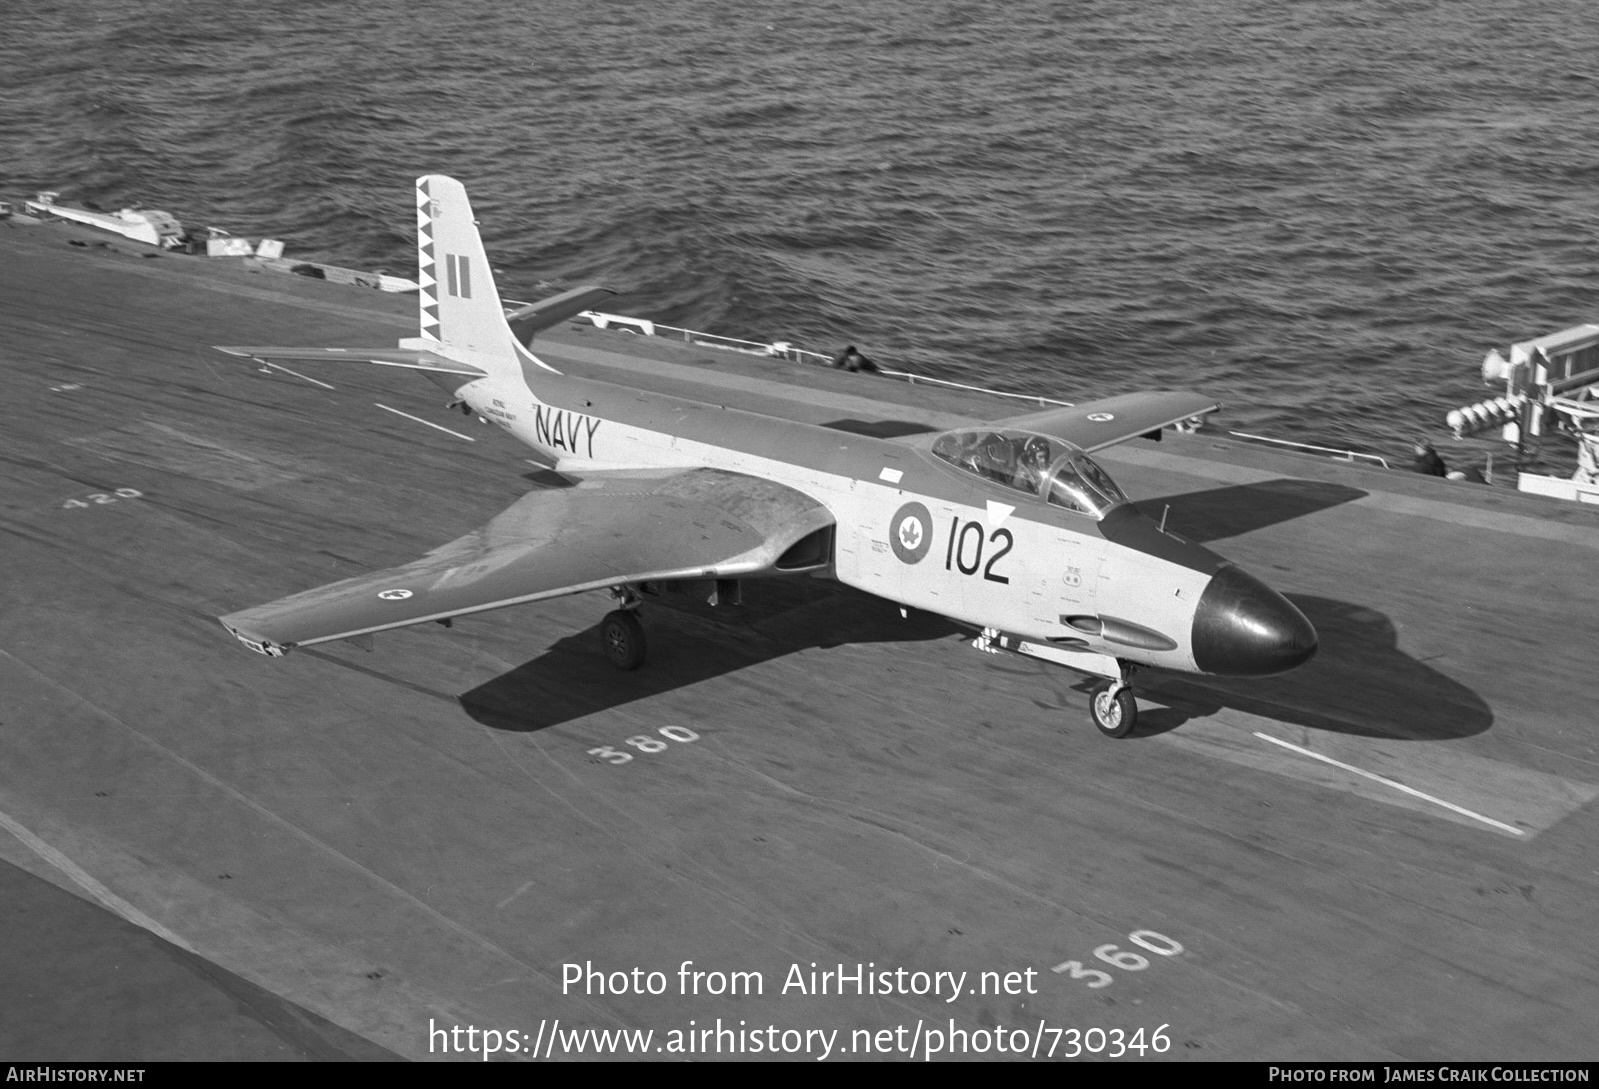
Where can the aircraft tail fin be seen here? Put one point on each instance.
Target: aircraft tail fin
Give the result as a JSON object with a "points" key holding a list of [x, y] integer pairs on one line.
{"points": [[460, 306]]}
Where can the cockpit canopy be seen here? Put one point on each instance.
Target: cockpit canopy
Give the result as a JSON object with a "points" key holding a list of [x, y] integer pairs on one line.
{"points": [[1055, 471]]}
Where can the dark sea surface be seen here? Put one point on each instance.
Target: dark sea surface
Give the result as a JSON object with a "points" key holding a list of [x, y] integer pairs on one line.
{"points": [[1322, 212]]}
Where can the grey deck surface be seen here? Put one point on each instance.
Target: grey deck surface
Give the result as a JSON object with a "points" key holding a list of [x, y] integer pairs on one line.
{"points": [[328, 854]]}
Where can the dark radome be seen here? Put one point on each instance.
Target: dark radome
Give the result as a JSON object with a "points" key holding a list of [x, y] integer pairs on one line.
{"points": [[1244, 628]]}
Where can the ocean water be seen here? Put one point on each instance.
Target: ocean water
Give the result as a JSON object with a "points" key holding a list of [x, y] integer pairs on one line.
{"points": [[1322, 212]]}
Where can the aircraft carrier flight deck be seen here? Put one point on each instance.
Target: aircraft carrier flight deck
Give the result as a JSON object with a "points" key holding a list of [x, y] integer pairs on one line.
{"points": [[1389, 853]]}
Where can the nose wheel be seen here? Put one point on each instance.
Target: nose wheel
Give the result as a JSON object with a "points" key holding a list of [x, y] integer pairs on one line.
{"points": [[1113, 708]]}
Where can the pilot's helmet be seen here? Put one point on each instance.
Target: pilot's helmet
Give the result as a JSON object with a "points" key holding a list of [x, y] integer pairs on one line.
{"points": [[1036, 452]]}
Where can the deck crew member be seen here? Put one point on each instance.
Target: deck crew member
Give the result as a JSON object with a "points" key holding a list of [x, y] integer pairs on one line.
{"points": [[1427, 460], [850, 359]]}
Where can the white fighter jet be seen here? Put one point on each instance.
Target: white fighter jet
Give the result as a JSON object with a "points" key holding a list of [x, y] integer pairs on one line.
{"points": [[1009, 527]]}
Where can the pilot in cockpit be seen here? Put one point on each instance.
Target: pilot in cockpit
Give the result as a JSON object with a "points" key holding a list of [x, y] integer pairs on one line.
{"points": [[1032, 464]]}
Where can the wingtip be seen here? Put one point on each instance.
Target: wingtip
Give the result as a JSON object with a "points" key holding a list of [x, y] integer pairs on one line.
{"points": [[260, 646]]}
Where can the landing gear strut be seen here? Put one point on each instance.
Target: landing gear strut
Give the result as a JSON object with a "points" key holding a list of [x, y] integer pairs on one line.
{"points": [[1110, 703], [621, 634], [1112, 706]]}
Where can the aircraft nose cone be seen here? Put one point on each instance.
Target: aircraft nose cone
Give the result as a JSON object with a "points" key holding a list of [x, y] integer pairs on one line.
{"points": [[1244, 628]]}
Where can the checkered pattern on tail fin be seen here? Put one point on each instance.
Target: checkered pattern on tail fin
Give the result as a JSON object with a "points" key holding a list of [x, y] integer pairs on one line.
{"points": [[425, 264]]}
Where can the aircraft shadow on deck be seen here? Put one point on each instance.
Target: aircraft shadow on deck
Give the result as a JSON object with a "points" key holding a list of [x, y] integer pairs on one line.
{"points": [[690, 642], [1359, 683], [1218, 513]]}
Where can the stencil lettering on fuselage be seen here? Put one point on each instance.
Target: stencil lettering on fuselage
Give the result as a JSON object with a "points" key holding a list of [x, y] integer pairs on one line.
{"points": [[561, 430], [1077, 558]]}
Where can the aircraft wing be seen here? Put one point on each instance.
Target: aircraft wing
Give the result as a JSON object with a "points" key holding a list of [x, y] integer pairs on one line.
{"points": [[608, 529], [416, 359], [1098, 424]]}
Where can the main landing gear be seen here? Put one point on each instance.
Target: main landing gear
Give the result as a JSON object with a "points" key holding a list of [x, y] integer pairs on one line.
{"points": [[1112, 706], [621, 634]]}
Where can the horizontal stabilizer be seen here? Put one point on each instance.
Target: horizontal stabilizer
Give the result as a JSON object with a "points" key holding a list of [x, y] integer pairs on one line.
{"points": [[416, 359], [536, 317]]}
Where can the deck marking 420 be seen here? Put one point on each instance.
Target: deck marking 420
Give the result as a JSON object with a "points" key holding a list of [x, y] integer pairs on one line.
{"points": [[100, 499]]}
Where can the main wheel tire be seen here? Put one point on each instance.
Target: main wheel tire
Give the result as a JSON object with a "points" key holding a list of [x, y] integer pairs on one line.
{"points": [[622, 638], [1114, 717]]}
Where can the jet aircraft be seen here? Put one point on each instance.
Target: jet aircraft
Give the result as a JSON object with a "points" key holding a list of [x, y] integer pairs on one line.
{"points": [[1010, 527]]}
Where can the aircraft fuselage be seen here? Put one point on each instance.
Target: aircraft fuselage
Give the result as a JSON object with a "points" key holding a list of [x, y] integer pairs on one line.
{"points": [[921, 532]]}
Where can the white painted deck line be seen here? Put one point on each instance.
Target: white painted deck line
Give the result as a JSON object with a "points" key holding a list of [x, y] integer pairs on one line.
{"points": [[425, 423]]}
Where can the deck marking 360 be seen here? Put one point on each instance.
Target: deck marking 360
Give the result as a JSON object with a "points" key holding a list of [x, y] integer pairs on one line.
{"points": [[1128, 961]]}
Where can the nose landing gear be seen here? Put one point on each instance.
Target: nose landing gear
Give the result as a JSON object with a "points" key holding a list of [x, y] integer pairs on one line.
{"points": [[1112, 706]]}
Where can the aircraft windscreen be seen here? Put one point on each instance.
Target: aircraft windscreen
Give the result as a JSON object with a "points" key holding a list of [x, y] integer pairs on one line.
{"points": [[1096, 476], [1077, 482]]}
